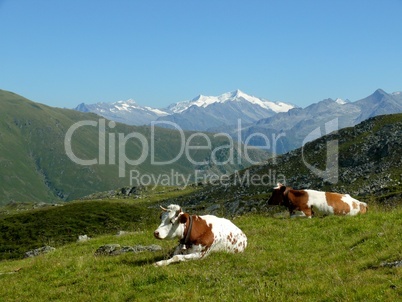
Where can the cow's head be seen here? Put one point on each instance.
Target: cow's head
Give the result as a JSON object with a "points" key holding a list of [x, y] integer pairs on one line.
{"points": [[277, 195], [170, 223]]}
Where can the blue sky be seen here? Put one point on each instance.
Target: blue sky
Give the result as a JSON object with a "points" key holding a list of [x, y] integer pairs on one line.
{"points": [[158, 52]]}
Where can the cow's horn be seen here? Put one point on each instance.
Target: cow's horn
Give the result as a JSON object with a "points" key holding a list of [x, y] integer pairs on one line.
{"points": [[163, 209]]}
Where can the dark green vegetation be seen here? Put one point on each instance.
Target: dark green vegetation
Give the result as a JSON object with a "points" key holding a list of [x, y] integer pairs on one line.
{"points": [[320, 259], [63, 224], [23, 228], [34, 166]]}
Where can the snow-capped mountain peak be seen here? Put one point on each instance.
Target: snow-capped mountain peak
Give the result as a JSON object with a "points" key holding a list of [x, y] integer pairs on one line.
{"points": [[125, 105], [234, 96], [340, 101]]}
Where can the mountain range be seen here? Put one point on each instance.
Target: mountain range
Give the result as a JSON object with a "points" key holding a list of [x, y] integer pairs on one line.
{"points": [[276, 126], [299, 125], [199, 114]]}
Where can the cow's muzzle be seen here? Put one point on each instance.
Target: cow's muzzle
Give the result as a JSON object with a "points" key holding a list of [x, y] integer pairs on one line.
{"points": [[156, 235]]}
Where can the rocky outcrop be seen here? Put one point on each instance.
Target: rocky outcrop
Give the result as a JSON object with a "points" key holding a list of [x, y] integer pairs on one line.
{"points": [[392, 264], [39, 251], [124, 192], [116, 249], [83, 238]]}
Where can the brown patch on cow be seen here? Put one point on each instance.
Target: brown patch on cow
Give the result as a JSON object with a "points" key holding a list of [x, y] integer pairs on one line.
{"points": [[363, 208], [297, 201], [232, 239], [240, 247], [201, 232], [335, 201], [184, 218]]}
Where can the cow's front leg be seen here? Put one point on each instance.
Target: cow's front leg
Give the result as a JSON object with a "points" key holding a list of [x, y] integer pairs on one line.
{"points": [[180, 258], [180, 254], [308, 212]]}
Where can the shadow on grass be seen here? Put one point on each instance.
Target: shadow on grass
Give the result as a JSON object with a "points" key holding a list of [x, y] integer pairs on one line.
{"points": [[144, 261]]}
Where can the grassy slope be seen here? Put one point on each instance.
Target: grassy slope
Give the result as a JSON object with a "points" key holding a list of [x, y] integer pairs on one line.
{"points": [[322, 259]]}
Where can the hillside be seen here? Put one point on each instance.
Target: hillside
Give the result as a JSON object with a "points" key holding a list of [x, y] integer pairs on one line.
{"points": [[37, 165], [367, 165]]}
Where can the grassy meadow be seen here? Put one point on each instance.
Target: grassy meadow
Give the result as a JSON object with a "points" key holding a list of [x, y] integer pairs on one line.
{"points": [[320, 259]]}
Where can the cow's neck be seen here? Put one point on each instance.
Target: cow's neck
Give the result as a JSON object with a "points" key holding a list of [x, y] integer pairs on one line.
{"points": [[286, 197], [185, 241]]}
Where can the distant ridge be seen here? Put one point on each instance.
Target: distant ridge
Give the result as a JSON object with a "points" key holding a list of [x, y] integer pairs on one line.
{"points": [[127, 112], [298, 123], [220, 110]]}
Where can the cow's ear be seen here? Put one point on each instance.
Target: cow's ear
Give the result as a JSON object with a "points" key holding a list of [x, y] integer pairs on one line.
{"points": [[183, 218], [178, 212], [282, 189]]}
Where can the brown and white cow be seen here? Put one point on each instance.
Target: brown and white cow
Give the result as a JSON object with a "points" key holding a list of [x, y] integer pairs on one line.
{"points": [[326, 202], [199, 235]]}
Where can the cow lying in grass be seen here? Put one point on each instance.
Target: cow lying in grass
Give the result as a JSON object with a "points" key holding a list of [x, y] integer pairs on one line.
{"points": [[326, 202], [199, 235]]}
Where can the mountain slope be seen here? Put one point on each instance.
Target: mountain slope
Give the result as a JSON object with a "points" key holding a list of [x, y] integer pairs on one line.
{"points": [[379, 103], [298, 123], [37, 165]]}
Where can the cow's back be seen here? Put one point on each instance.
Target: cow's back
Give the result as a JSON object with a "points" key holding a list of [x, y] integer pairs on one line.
{"points": [[227, 236], [356, 206], [318, 200], [335, 203]]}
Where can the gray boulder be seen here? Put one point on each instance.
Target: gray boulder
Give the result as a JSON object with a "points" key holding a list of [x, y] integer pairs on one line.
{"points": [[39, 251], [116, 249]]}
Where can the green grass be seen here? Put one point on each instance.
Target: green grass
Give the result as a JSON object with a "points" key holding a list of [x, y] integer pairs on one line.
{"points": [[319, 259]]}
